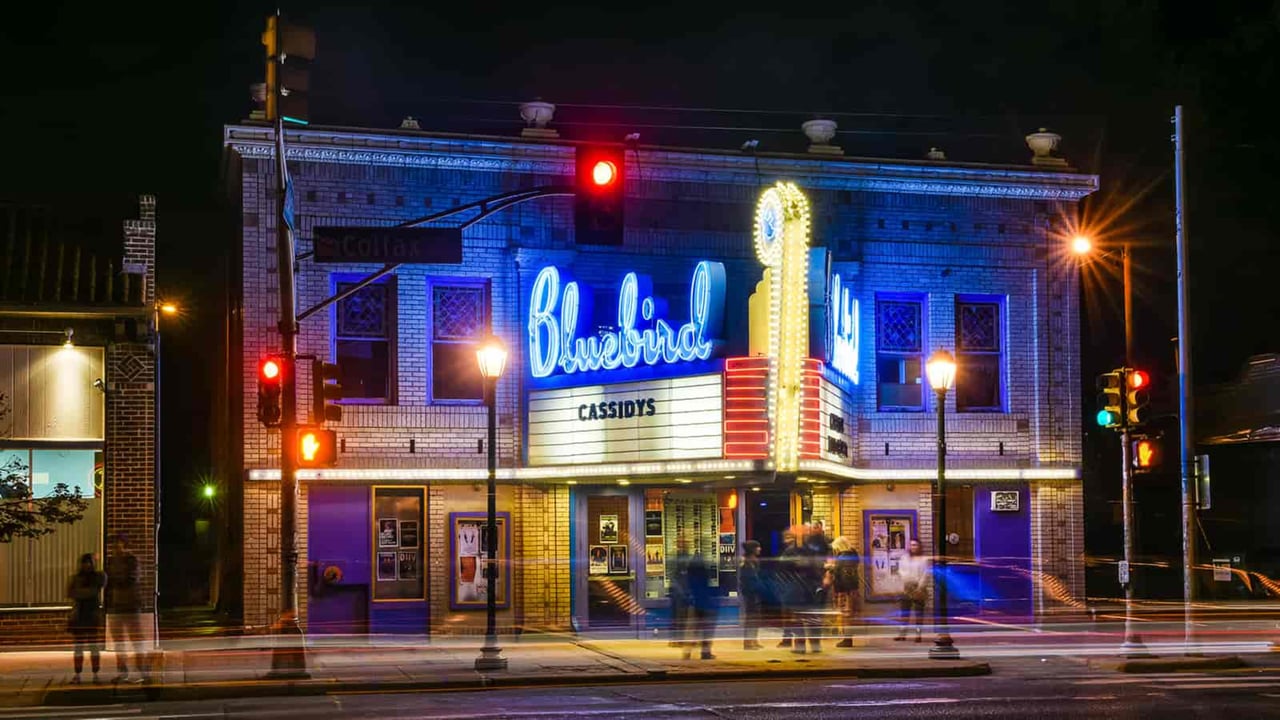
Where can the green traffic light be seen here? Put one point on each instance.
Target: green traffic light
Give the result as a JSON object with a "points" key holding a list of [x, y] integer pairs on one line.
{"points": [[1106, 418], [208, 491]]}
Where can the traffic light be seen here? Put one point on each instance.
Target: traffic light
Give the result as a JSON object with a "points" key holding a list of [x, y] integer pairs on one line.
{"points": [[599, 184], [1136, 397], [317, 447], [290, 50], [323, 392], [271, 370], [1110, 399], [1146, 454]]}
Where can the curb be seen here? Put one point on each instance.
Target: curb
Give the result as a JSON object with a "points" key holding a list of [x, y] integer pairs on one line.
{"points": [[1174, 664], [297, 688]]}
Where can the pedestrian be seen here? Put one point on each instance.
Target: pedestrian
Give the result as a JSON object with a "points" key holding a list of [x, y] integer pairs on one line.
{"points": [[802, 569], [751, 589], [702, 607], [679, 594], [916, 585], [845, 580], [124, 606], [85, 590], [784, 582]]}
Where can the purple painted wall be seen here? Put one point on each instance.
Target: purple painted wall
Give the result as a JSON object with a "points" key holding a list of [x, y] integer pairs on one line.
{"points": [[1002, 545], [338, 534]]}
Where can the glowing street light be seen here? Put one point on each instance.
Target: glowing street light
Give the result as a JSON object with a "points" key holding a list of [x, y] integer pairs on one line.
{"points": [[1081, 244], [941, 369], [492, 357]]}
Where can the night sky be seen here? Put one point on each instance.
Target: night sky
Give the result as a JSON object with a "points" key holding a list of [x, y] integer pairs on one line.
{"points": [[107, 100]]}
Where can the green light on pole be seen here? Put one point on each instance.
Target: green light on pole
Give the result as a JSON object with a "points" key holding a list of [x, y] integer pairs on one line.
{"points": [[208, 492], [1106, 418]]}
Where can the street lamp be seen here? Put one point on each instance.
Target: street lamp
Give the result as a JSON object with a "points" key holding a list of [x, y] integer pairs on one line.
{"points": [[492, 356], [1132, 643], [1081, 244], [941, 370]]}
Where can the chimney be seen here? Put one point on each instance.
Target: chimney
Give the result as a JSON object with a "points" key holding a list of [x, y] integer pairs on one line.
{"points": [[410, 123], [536, 114], [820, 132], [258, 92]]}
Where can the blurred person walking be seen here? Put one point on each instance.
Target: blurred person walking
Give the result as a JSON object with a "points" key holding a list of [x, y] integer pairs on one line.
{"points": [[845, 581], [916, 587], [702, 607], [801, 566], [85, 590], [751, 587], [124, 606]]}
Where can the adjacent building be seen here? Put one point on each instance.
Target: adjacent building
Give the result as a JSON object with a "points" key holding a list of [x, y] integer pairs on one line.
{"points": [[750, 358], [78, 347]]}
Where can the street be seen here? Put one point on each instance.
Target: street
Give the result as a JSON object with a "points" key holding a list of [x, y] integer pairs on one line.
{"points": [[1053, 687]]}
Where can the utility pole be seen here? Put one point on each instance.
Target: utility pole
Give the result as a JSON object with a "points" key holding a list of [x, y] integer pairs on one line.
{"points": [[1132, 644], [1185, 402], [288, 658]]}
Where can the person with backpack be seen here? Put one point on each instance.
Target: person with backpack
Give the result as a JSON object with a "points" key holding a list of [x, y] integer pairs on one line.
{"points": [[846, 584]]}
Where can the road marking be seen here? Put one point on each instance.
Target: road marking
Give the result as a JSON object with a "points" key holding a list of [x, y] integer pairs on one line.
{"points": [[1222, 686]]}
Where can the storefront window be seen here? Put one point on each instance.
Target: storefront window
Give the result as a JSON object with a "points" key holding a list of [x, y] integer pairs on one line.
{"points": [[397, 541], [38, 472], [696, 523]]}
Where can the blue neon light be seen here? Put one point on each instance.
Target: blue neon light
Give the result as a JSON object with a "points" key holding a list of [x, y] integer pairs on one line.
{"points": [[842, 311], [556, 303]]}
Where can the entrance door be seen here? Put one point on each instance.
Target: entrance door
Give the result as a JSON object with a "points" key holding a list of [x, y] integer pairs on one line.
{"points": [[768, 517], [964, 586], [611, 577]]}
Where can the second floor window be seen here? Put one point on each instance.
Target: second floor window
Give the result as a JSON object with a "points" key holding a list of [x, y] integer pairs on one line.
{"points": [[362, 342], [978, 356], [459, 319], [899, 354]]}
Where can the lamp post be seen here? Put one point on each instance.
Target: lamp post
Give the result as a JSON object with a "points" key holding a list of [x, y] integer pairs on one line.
{"points": [[492, 356], [159, 309], [1132, 645], [941, 370]]}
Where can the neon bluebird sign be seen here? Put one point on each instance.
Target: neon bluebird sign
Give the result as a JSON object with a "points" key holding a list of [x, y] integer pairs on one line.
{"points": [[642, 336], [842, 319]]}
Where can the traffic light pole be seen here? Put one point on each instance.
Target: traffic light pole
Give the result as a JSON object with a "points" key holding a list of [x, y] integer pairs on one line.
{"points": [[1132, 644], [288, 658], [1185, 405]]}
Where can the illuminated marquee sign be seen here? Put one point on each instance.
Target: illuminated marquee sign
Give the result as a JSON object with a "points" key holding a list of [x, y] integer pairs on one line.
{"points": [[677, 418], [557, 305], [842, 322]]}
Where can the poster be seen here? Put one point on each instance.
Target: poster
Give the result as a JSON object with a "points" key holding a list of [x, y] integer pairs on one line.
{"points": [[408, 564], [598, 560], [655, 562], [387, 565], [387, 536], [728, 552], [887, 538], [408, 533], [468, 581], [653, 523], [608, 529], [618, 560]]}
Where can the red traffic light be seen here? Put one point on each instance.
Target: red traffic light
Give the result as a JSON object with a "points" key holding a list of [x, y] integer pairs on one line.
{"points": [[1138, 379], [270, 369], [604, 173]]}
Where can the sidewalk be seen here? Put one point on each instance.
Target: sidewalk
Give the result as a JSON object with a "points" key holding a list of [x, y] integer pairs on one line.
{"points": [[226, 667]]}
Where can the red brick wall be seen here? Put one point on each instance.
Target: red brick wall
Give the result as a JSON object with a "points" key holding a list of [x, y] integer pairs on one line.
{"points": [[25, 627]]}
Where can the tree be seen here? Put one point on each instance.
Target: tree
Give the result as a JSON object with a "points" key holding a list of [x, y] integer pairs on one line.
{"points": [[22, 515]]}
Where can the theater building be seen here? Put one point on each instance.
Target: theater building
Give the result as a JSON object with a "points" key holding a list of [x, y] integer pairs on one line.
{"points": [[750, 357]]}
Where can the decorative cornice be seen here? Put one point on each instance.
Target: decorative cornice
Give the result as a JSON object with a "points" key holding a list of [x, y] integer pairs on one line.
{"points": [[483, 154]]}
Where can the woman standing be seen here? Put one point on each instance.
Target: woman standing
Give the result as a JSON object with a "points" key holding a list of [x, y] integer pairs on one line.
{"points": [[85, 624], [846, 581], [751, 587]]}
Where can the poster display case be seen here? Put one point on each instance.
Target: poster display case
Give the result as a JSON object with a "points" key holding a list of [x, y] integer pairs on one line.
{"points": [[887, 534], [468, 554], [397, 544]]}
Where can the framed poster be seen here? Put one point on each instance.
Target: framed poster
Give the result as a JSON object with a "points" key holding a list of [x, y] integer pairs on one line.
{"points": [[387, 566], [654, 559], [608, 529], [618, 560], [408, 533], [887, 535], [728, 552], [408, 564], [468, 579], [598, 560], [387, 535], [653, 523]]}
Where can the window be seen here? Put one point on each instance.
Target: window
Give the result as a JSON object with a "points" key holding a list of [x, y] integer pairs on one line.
{"points": [[459, 318], [978, 355], [362, 341], [899, 354]]}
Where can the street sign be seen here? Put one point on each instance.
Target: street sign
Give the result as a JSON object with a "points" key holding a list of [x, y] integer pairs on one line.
{"points": [[1123, 568], [388, 245], [1204, 494]]}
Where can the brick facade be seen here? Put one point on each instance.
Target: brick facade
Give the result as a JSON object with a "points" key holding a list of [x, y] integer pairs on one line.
{"points": [[936, 231]]}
